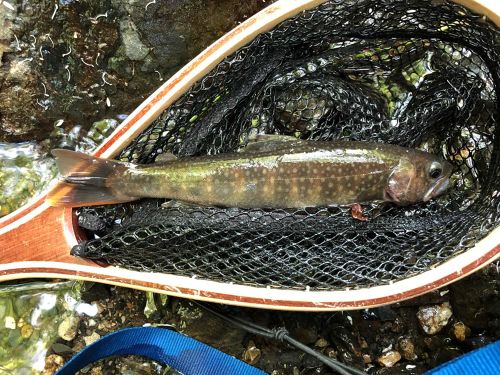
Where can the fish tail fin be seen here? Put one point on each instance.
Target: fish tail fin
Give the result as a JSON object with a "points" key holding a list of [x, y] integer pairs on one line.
{"points": [[85, 180]]}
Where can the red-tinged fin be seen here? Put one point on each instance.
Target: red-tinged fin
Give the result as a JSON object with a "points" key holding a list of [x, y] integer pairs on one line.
{"points": [[85, 180]]}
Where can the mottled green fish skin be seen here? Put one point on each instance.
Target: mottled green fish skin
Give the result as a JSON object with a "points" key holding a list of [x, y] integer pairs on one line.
{"points": [[288, 174]]}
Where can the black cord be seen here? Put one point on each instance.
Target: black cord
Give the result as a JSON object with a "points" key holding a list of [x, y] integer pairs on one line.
{"points": [[281, 334]]}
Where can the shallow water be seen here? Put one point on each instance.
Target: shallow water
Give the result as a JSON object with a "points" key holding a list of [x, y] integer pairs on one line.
{"points": [[25, 170], [33, 316]]}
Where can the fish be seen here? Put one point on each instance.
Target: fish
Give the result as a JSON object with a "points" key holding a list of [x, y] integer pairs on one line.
{"points": [[270, 172]]}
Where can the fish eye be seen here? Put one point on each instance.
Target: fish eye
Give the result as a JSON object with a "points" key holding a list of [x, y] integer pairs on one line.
{"points": [[435, 170]]}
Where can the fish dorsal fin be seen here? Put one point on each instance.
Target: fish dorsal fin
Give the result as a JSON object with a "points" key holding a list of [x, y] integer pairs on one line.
{"points": [[268, 142], [165, 157]]}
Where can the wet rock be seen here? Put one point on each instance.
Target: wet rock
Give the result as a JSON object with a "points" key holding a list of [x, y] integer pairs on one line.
{"points": [[96, 370], [58, 56], [383, 313], [445, 354], [433, 319], [92, 292], [68, 327], [362, 343], [7, 17], [331, 352], [26, 331], [91, 338], [252, 354], [407, 348], [134, 365], [389, 358], [305, 335], [274, 357], [203, 326], [52, 363], [321, 343], [59, 348], [460, 331], [402, 369], [476, 299], [10, 322], [134, 48], [94, 59], [347, 343]]}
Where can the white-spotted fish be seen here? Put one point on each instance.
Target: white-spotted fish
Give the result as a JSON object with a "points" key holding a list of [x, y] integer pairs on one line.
{"points": [[271, 172]]}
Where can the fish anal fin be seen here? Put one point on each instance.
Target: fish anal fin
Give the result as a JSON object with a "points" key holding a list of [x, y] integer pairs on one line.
{"points": [[173, 203]]}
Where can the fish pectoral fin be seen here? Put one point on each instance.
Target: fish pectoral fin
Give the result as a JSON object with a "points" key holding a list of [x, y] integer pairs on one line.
{"points": [[268, 142], [173, 203]]}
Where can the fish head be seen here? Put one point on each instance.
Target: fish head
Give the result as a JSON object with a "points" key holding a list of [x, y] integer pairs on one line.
{"points": [[418, 177]]}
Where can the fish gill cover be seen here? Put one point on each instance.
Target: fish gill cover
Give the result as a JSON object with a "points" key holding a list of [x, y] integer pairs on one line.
{"points": [[417, 74]]}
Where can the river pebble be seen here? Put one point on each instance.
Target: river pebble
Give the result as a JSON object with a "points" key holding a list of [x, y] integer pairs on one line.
{"points": [[68, 327], [252, 354], [460, 331], [389, 358], [407, 348], [434, 318]]}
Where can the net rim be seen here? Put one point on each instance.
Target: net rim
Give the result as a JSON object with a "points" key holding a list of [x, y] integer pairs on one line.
{"points": [[484, 252]]}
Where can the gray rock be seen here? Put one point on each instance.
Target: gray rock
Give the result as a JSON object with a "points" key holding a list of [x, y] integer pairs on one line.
{"points": [[7, 16], [134, 48]]}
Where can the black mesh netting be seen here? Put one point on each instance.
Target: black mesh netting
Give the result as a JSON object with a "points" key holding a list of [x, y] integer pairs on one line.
{"points": [[418, 74]]}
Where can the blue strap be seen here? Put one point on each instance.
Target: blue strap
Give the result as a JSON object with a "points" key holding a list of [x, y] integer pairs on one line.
{"points": [[178, 351], [483, 361]]}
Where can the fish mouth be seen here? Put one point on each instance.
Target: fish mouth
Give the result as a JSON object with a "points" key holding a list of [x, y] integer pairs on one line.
{"points": [[388, 196], [439, 188]]}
